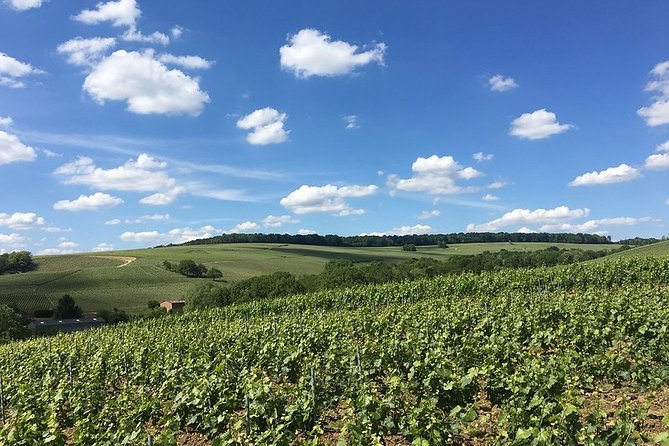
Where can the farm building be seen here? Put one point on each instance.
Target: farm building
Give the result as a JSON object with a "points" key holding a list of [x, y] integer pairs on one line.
{"points": [[65, 325], [173, 305]]}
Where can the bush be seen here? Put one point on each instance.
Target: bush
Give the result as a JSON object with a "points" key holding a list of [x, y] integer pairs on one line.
{"points": [[409, 247], [114, 316], [11, 325], [208, 295], [67, 308]]}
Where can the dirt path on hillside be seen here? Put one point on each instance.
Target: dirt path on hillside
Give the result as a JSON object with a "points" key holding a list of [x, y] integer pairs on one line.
{"points": [[127, 260]]}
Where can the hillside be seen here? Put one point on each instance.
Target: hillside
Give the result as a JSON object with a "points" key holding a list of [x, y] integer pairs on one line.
{"points": [[658, 249], [129, 279], [565, 355]]}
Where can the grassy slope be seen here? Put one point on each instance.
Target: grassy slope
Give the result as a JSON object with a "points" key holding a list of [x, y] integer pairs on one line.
{"points": [[96, 281], [655, 250]]}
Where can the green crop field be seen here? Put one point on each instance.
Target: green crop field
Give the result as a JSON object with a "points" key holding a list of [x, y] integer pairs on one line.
{"points": [[129, 279], [571, 355], [659, 249]]}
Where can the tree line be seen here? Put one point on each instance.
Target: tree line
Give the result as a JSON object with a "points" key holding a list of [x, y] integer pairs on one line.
{"points": [[344, 273], [401, 240]]}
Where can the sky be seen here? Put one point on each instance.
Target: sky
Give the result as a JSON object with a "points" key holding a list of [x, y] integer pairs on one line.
{"points": [[134, 123]]}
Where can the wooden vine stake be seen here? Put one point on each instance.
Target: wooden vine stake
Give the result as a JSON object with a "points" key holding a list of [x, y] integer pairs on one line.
{"points": [[149, 442], [247, 408], [2, 401], [357, 359], [313, 392], [69, 372]]}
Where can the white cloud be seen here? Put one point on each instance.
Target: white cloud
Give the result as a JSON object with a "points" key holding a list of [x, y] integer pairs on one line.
{"points": [[489, 197], [496, 185], [12, 150], [134, 35], [146, 218], [247, 226], [436, 176], [527, 217], [51, 154], [147, 86], [657, 113], [409, 230], [658, 161], [267, 124], [526, 230], [351, 122], [188, 62], [85, 52], [62, 248], [6, 121], [163, 198], [591, 225], [480, 157], [276, 221], [664, 147], [102, 247], [537, 125], [24, 5], [93, 202], [12, 70], [328, 198], [612, 175], [21, 221], [176, 235], [140, 175], [68, 245], [12, 240], [176, 31], [312, 53], [119, 13], [304, 231], [500, 83], [429, 214], [113, 222]]}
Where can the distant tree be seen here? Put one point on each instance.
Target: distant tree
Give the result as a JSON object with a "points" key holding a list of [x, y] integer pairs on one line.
{"points": [[214, 273], [208, 295], [16, 262], [201, 270], [188, 268], [409, 247], [67, 308], [114, 316], [11, 325], [168, 266], [442, 244], [153, 304]]}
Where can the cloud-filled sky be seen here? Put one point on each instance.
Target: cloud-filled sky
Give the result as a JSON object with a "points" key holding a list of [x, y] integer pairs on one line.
{"points": [[130, 123]]}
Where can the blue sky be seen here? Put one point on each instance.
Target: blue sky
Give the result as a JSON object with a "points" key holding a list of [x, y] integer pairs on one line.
{"points": [[134, 123]]}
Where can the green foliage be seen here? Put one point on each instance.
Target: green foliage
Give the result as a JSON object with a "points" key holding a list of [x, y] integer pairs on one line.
{"points": [[409, 247], [114, 316], [67, 308], [418, 362], [153, 304], [11, 325], [208, 295], [15, 262], [214, 273]]}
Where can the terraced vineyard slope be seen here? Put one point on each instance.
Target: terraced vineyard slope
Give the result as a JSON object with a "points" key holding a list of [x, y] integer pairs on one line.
{"points": [[571, 355]]}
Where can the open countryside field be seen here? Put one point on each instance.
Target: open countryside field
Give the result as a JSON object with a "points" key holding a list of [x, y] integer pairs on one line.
{"points": [[654, 250], [128, 279]]}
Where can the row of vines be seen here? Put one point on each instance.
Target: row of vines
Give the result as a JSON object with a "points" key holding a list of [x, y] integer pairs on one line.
{"points": [[511, 357]]}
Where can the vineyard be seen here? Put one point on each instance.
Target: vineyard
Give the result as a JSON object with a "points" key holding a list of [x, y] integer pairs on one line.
{"points": [[569, 355]]}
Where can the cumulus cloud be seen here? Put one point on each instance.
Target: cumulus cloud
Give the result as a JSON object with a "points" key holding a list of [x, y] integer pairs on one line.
{"points": [[539, 124], [141, 175], [176, 235], [489, 197], [526, 230], [12, 71], [187, 62], [612, 175], [102, 247], [276, 221], [528, 217], [163, 198], [12, 240], [429, 214], [85, 52], [313, 53], [328, 198], [267, 124], [657, 113], [402, 230], [247, 226], [6, 121], [500, 83], [93, 202], [147, 218], [65, 247], [664, 147], [12, 150], [176, 32], [134, 35], [119, 13], [658, 161], [145, 84], [351, 122], [481, 157], [592, 226], [113, 222], [436, 176], [21, 221], [305, 231], [24, 5]]}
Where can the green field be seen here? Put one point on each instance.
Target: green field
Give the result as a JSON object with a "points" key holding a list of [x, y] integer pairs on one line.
{"points": [[654, 250], [102, 281]]}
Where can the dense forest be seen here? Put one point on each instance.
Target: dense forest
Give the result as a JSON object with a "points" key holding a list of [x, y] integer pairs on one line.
{"points": [[16, 262], [401, 240]]}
